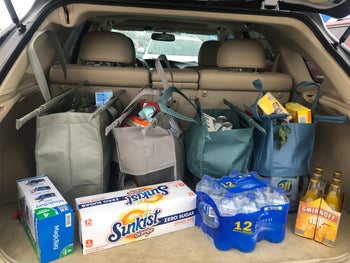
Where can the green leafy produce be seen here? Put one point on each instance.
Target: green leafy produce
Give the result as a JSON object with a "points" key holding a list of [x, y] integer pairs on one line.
{"points": [[281, 133]]}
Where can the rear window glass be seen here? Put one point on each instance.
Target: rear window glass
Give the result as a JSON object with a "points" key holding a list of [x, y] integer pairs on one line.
{"points": [[185, 47]]}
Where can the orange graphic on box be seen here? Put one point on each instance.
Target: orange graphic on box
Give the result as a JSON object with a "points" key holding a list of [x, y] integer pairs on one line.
{"points": [[89, 243], [134, 224], [146, 195]]}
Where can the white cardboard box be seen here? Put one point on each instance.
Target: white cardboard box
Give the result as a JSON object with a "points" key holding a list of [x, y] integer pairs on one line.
{"points": [[47, 218], [113, 219]]}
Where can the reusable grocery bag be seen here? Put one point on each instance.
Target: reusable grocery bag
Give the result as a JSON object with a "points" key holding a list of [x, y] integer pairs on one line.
{"points": [[72, 149], [151, 154], [215, 153], [291, 159]]}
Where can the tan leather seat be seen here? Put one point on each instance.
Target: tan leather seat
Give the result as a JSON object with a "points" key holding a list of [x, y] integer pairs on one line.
{"points": [[105, 59], [208, 53], [240, 62]]}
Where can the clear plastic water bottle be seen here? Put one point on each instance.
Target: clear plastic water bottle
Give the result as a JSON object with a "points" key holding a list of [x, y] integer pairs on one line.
{"points": [[239, 199], [278, 197], [216, 191], [204, 184], [249, 204], [211, 187], [208, 215], [269, 192], [227, 205], [261, 198]]}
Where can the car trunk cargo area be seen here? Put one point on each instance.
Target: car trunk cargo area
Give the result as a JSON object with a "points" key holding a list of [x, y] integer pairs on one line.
{"points": [[189, 245]]}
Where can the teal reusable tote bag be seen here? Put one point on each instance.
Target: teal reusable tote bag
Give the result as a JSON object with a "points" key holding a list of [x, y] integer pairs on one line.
{"points": [[216, 153]]}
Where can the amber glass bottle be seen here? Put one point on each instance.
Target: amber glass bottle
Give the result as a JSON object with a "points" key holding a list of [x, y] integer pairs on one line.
{"points": [[313, 191], [333, 198]]}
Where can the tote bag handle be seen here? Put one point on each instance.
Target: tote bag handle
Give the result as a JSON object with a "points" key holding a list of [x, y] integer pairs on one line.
{"points": [[163, 100], [297, 93], [251, 122]]}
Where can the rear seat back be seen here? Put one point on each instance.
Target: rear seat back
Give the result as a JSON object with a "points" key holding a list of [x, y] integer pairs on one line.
{"points": [[183, 78], [187, 80], [240, 62], [207, 56], [106, 59]]}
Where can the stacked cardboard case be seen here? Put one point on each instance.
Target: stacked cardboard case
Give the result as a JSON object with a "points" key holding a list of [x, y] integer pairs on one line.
{"points": [[316, 220], [113, 219], [47, 218]]}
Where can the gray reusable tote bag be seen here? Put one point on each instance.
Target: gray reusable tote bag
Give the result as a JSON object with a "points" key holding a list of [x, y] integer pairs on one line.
{"points": [[72, 149], [151, 154]]}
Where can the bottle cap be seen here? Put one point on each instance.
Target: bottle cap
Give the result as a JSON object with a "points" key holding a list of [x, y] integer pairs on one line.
{"points": [[336, 180], [251, 196], [314, 180], [319, 169], [228, 194], [337, 174], [317, 175], [280, 190], [216, 186]]}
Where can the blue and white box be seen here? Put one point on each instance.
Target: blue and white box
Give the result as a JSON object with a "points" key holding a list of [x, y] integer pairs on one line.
{"points": [[47, 218], [101, 97]]}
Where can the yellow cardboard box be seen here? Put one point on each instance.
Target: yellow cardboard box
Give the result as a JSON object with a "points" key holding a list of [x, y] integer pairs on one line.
{"points": [[300, 114], [317, 221], [270, 105]]}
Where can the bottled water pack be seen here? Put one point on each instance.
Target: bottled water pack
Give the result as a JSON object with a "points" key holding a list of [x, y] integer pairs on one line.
{"points": [[238, 210]]}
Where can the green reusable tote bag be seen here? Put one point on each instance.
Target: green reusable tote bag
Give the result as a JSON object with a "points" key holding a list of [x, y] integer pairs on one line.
{"points": [[216, 153]]}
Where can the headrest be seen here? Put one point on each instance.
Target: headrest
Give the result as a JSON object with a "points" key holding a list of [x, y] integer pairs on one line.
{"points": [[241, 53], [207, 53], [107, 47]]}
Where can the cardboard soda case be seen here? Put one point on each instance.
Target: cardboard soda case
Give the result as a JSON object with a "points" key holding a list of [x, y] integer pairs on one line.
{"points": [[47, 218], [318, 221], [116, 218]]}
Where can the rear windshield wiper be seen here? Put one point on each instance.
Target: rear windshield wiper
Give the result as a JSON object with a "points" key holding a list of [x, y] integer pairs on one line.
{"points": [[14, 17]]}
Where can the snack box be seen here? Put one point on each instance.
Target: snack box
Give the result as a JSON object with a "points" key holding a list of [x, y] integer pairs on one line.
{"points": [[117, 218], [270, 105], [317, 221], [47, 218], [300, 114]]}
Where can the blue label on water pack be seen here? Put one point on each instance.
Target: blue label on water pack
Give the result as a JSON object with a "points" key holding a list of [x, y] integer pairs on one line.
{"points": [[241, 182]]}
